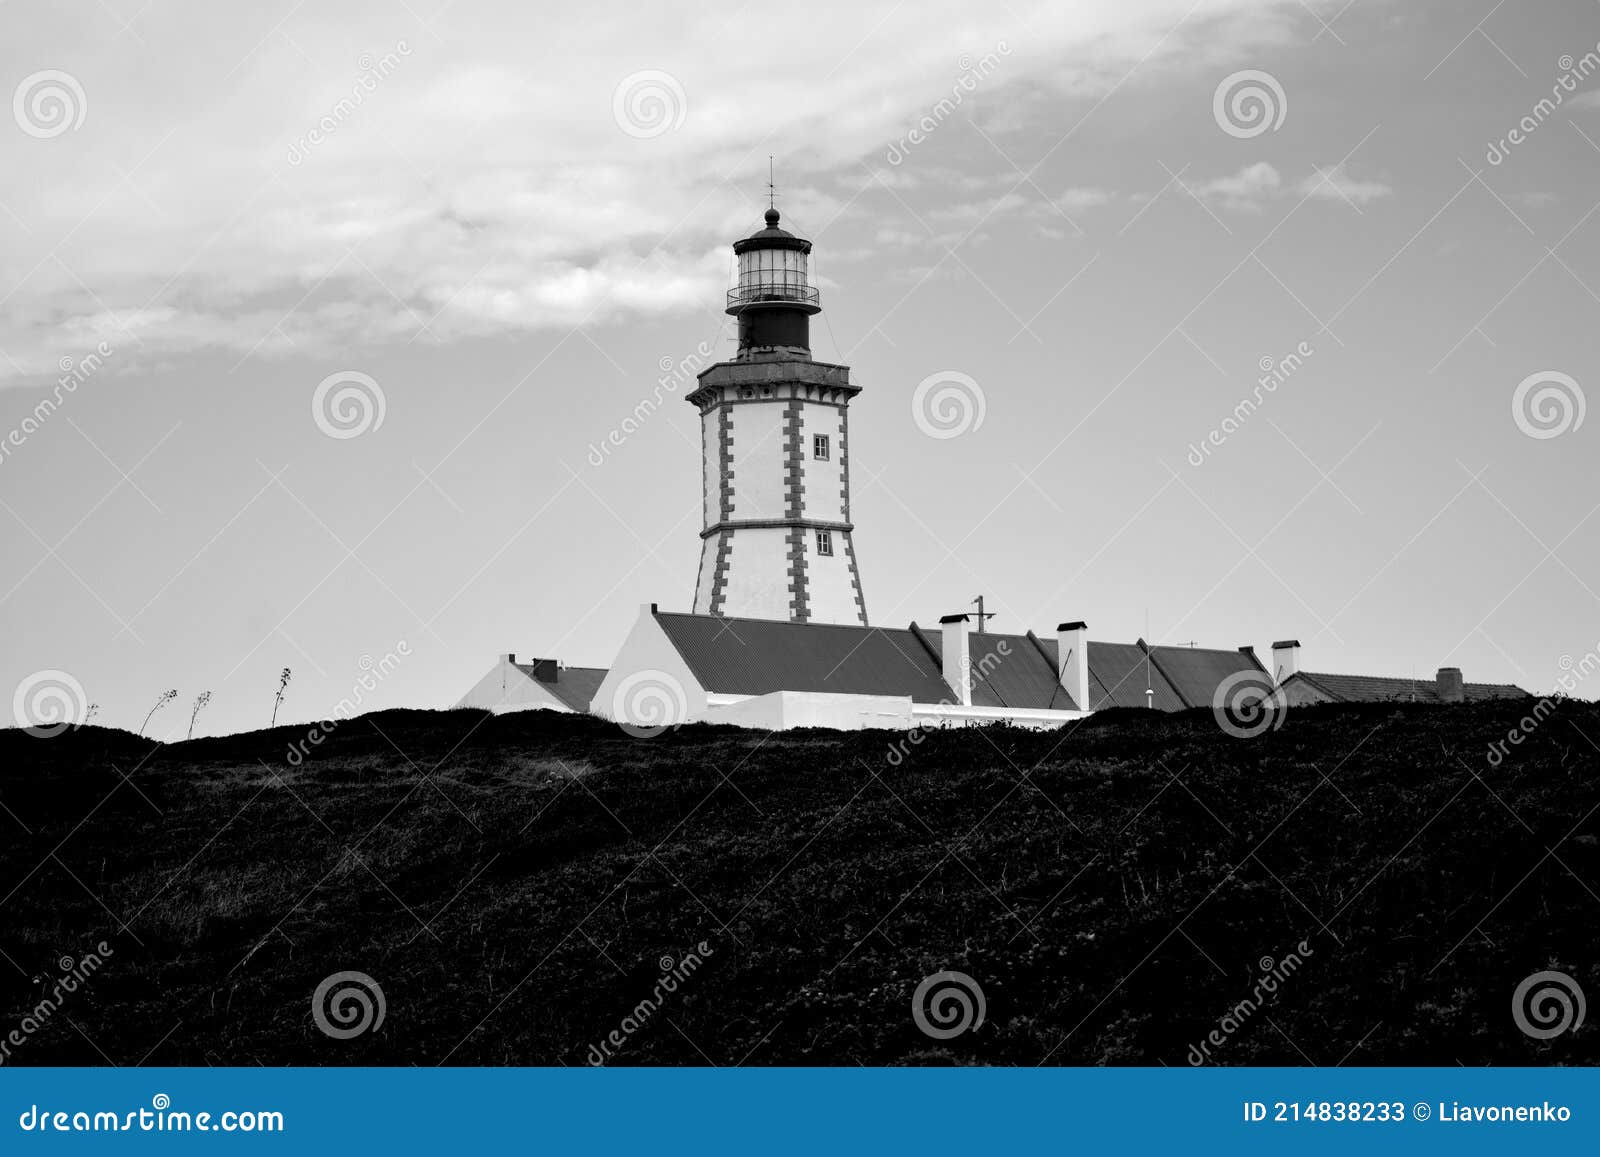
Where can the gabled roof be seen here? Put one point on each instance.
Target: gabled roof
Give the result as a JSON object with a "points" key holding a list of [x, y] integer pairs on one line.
{"points": [[732, 656], [758, 656], [1007, 670], [574, 686], [1382, 689]]}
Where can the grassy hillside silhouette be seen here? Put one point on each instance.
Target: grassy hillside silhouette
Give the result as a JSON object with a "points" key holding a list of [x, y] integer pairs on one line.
{"points": [[513, 884]]}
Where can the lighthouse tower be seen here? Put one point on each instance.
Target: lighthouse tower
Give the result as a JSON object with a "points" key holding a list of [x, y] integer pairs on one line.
{"points": [[775, 452]]}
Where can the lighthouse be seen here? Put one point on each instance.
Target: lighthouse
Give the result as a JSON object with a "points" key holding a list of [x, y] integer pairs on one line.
{"points": [[777, 541]]}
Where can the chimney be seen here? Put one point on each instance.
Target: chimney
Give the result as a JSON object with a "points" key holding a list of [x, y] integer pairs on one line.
{"points": [[1072, 662], [958, 657], [508, 658], [544, 670], [1450, 687], [1285, 659]]}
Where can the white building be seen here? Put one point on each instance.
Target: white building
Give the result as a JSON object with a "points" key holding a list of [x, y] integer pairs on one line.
{"points": [[779, 636], [775, 453]]}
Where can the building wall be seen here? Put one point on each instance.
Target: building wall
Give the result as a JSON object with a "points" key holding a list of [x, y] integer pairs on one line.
{"points": [[831, 592], [759, 474], [506, 688], [704, 586], [767, 494], [822, 481], [1299, 693], [757, 582], [647, 672]]}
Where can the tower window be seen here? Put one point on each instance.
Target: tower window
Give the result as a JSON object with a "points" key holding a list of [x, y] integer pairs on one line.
{"points": [[819, 446], [825, 542]]}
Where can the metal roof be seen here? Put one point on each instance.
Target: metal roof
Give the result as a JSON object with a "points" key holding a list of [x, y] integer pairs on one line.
{"points": [[1196, 672], [1009, 671], [758, 656], [574, 686], [1383, 689]]}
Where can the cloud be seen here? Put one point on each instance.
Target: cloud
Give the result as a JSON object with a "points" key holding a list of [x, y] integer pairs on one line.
{"points": [[1254, 186], [341, 179], [1245, 191], [1333, 183]]}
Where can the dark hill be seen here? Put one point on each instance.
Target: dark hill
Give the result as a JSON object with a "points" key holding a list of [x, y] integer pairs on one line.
{"points": [[512, 884]]}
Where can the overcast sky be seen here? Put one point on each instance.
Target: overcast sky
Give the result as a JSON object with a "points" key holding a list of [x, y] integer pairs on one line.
{"points": [[508, 217]]}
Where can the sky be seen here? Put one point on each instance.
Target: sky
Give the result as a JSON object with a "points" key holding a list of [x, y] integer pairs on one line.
{"points": [[349, 301]]}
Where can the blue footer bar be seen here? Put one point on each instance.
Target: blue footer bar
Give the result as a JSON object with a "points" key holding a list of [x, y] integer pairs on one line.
{"points": [[880, 1111]]}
